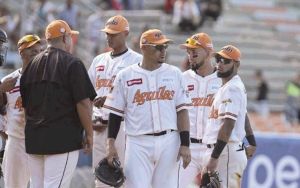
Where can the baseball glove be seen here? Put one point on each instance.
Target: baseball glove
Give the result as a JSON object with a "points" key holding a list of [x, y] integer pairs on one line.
{"points": [[210, 180], [110, 175]]}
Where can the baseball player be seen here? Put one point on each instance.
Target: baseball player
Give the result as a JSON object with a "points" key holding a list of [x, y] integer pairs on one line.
{"points": [[151, 96], [57, 97], [15, 162], [202, 83], [225, 128], [102, 72]]}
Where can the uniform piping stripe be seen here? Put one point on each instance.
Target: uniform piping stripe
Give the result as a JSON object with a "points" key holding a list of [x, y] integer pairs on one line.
{"points": [[227, 167], [15, 89], [228, 113], [178, 174], [181, 105], [113, 109], [64, 171]]}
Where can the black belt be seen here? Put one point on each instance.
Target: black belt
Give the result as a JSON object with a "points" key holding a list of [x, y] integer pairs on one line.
{"points": [[159, 134], [194, 140], [99, 119], [210, 145]]}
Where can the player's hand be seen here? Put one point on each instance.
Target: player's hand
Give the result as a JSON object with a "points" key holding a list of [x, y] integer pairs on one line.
{"points": [[185, 153], [111, 151], [8, 84], [211, 165], [88, 143], [3, 135], [99, 102], [250, 150]]}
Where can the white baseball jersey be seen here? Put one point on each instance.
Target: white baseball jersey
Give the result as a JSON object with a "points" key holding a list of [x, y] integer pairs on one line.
{"points": [[3, 123], [160, 94], [103, 70], [229, 102], [202, 91], [15, 116]]}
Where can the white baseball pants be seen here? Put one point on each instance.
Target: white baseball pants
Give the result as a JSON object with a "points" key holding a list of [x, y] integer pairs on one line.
{"points": [[231, 166], [188, 176], [52, 171], [15, 164], [150, 161]]}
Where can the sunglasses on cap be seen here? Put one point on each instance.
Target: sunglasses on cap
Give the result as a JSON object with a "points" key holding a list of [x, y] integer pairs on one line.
{"points": [[222, 59], [192, 42], [159, 47], [28, 38]]}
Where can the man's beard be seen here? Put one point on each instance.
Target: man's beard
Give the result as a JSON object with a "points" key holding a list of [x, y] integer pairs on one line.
{"points": [[225, 74], [196, 66]]}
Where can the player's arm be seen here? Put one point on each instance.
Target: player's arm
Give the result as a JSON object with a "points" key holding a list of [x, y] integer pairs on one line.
{"points": [[251, 148], [114, 123], [84, 110], [5, 86], [222, 139], [183, 125]]}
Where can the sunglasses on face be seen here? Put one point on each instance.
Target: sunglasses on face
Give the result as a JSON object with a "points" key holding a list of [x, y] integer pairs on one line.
{"points": [[29, 38], [222, 60], [160, 47]]}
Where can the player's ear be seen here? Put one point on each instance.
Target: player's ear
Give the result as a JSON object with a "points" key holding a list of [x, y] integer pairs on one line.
{"points": [[126, 33], [237, 63]]}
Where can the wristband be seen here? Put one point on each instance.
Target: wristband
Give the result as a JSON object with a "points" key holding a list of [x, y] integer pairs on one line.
{"points": [[218, 149], [185, 138], [251, 140]]}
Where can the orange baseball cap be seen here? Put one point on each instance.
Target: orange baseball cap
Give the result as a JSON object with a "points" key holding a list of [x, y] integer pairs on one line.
{"points": [[198, 40], [116, 24], [153, 36], [230, 52], [58, 28], [27, 41]]}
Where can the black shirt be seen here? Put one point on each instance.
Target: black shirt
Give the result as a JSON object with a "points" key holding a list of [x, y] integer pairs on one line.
{"points": [[262, 91], [51, 86]]}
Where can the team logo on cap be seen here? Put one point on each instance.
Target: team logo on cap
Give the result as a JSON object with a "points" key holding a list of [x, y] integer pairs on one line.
{"points": [[228, 49], [112, 22], [157, 35], [62, 30]]}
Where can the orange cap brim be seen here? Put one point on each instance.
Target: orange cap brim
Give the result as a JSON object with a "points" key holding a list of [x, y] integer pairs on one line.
{"points": [[110, 31], [161, 41], [184, 46], [223, 55], [74, 32], [28, 45]]}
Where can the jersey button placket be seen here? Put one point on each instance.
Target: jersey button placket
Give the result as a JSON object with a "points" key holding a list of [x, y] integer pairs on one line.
{"points": [[154, 105]]}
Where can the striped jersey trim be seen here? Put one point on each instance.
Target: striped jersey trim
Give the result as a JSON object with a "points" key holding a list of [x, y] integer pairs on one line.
{"points": [[113, 109], [182, 105], [228, 114]]}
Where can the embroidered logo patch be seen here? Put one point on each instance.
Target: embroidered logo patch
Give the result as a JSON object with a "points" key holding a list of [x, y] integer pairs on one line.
{"points": [[100, 68], [191, 87], [134, 82]]}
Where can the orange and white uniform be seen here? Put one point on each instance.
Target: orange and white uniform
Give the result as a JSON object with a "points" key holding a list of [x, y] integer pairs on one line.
{"points": [[149, 102], [230, 102], [102, 73], [15, 162], [202, 91]]}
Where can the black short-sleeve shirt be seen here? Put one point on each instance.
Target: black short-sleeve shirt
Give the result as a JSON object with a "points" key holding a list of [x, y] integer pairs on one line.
{"points": [[51, 86]]}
